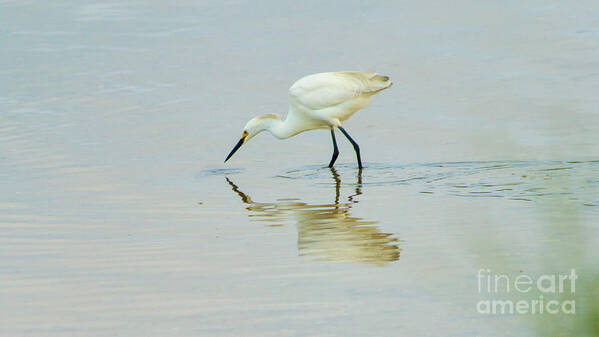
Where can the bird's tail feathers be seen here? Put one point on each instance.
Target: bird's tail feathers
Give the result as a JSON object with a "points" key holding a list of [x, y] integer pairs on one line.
{"points": [[379, 82]]}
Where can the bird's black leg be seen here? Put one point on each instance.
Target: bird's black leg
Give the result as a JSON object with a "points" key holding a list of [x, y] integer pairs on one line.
{"points": [[335, 149], [354, 144]]}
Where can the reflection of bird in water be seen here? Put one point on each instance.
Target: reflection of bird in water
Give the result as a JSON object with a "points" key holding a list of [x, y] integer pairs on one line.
{"points": [[328, 231]]}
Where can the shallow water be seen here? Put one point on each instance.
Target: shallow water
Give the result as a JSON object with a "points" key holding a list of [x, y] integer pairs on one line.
{"points": [[119, 218]]}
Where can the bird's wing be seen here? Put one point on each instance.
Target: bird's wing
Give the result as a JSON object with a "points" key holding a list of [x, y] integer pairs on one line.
{"points": [[323, 90]]}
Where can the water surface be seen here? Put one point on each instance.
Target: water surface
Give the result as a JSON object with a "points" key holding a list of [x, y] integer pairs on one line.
{"points": [[119, 218]]}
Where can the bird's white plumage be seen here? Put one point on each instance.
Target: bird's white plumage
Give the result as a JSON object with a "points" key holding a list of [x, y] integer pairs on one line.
{"points": [[333, 97], [325, 90], [319, 101]]}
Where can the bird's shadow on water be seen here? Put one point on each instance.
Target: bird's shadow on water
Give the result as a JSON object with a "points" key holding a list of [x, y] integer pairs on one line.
{"points": [[328, 232]]}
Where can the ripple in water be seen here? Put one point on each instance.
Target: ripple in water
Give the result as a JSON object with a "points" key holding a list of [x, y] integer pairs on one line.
{"points": [[221, 172], [516, 180]]}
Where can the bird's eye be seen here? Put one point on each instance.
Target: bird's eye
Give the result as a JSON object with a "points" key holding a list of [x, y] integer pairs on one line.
{"points": [[245, 134]]}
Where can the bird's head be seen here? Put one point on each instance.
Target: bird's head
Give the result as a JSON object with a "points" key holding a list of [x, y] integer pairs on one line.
{"points": [[253, 127]]}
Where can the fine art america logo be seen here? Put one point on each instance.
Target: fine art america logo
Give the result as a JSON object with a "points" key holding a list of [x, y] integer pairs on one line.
{"points": [[551, 289]]}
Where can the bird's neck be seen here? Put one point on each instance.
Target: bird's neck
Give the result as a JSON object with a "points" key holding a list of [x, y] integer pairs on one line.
{"points": [[283, 129]]}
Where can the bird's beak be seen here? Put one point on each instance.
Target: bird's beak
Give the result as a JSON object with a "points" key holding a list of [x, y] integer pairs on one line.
{"points": [[236, 147]]}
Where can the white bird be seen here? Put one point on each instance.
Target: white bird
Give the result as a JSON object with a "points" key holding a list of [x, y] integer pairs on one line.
{"points": [[320, 101]]}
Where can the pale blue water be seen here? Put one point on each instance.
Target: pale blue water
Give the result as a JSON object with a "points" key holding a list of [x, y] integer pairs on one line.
{"points": [[118, 216]]}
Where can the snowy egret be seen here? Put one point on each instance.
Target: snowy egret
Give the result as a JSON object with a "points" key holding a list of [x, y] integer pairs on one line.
{"points": [[320, 101]]}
